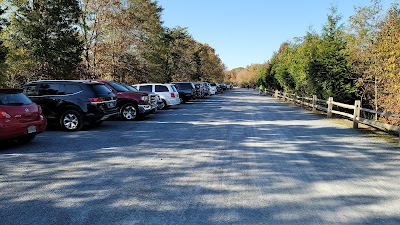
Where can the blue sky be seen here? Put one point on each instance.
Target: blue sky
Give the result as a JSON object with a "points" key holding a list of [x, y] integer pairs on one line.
{"points": [[248, 31]]}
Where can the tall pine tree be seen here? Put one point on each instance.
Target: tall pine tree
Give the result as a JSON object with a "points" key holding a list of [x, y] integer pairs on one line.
{"points": [[330, 70]]}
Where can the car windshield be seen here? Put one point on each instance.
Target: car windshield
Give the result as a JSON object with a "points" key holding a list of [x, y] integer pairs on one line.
{"points": [[213, 84], [184, 86], [118, 87], [129, 87], [10, 99]]}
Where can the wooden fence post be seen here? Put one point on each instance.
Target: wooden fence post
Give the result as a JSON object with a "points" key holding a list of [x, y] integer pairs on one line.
{"points": [[330, 106], [276, 94], [301, 102], [357, 108], [294, 99], [314, 103]]}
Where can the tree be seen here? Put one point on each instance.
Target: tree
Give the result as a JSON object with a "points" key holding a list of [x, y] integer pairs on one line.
{"points": [[210, 65], [330, 70], [180, 63], [363, 28], [387, 59], [45, 32], [3, 50]]}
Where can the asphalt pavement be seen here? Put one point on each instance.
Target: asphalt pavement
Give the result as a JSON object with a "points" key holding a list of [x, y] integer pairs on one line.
{"points": [[235, 158]]}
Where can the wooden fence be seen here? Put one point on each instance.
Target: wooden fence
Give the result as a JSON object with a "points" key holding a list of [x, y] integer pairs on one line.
{"points": [[331, 107]]}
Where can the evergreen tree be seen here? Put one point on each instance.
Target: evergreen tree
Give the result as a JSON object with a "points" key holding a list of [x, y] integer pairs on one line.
{"points": [[46, 31], [330, 70]]}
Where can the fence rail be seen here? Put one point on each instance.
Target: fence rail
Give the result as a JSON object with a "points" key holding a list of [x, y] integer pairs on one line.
{"points": [[328, 106]]}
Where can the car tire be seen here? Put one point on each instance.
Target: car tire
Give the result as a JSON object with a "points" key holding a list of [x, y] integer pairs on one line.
{"points": [[183, 100], [26, 138], [160, 106], [71, 120], [165, 105], [129, 112]]}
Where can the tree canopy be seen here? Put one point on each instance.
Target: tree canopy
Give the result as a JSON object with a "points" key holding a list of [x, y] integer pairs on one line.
{"points": [[359, 60], [122, 40]]}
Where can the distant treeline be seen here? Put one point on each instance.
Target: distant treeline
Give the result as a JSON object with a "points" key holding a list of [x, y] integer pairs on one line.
{"points": [[123, 40], [358, 61]]}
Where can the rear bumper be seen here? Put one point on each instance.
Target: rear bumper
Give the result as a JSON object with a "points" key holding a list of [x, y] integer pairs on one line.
{"points": [[173, 101], [10, 130]]}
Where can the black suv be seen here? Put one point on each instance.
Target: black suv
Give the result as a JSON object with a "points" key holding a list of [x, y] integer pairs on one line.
{"points": [[73, 103], [186, 90]]}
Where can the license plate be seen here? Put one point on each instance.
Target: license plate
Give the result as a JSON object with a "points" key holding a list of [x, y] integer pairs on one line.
{"points": [[31, 129]]}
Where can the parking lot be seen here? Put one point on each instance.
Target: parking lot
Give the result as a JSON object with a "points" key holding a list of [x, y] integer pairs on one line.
{"points": [[234, 158]]}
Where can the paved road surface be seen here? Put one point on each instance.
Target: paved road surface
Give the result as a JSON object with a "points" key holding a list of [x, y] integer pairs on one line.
{"points": [[235, 158]]}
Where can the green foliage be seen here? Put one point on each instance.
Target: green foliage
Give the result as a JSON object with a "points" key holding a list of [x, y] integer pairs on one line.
{"points": [[188, 60], [45, 31], [314, 64], [124, 40], [330, 70]]}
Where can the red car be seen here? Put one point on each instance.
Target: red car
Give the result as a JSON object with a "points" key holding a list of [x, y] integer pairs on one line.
{"points": [[20, 118]]}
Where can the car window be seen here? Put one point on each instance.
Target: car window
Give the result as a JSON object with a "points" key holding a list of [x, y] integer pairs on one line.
{"points": [[129, 87], [30, 90], [72, 88], [147, 88], [161, 88], [100, 89], [184, 86], [49, 89], [118, 87], [174, 88], [14, 99]]}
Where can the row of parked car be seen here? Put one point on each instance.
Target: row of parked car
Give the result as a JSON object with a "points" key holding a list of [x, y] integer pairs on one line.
{"points": [[71, 104]]}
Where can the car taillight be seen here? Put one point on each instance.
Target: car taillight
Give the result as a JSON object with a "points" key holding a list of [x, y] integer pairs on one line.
{"points": [[172, 95], [4, 115], [96, 100]]}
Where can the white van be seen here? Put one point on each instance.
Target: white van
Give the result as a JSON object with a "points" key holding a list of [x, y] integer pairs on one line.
{"points": [[167, 93]]}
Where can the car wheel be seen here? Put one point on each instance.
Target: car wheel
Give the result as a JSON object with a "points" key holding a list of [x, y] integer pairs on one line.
{"points": [[129, 111], [26, 138], [162, 105], [71, 120], [165, 106]]}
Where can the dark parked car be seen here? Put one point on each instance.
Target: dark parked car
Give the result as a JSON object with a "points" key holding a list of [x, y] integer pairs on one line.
{"points": [[20, 118], [220, 90], [73, 103], [186, 90], [132, 103]]}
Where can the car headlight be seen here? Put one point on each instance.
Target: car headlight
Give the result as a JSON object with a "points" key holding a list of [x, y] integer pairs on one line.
{"points": [[145, 98]]}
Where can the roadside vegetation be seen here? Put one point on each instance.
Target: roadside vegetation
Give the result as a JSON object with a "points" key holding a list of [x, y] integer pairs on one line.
{"points": [[359, 60], [122, 40]]}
